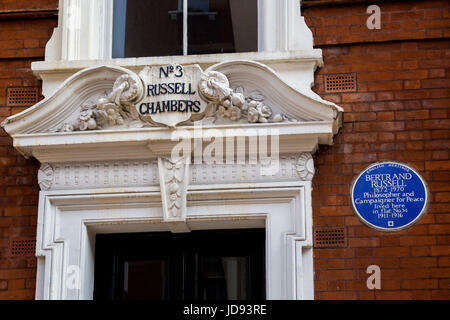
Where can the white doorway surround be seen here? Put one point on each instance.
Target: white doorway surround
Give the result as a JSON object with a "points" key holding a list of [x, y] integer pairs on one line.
{"points": [[108, 180], [107, 169], [69, 221]]}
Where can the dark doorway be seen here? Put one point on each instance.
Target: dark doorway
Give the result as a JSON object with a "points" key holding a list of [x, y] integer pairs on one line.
{"points": [[200, 265]]}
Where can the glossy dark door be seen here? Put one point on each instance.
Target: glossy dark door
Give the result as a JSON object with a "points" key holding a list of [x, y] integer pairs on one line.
{"points": [[200, 265]]}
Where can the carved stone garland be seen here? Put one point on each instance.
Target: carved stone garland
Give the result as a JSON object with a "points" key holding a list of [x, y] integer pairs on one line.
{"points": [[113, 110], [233, 104]]}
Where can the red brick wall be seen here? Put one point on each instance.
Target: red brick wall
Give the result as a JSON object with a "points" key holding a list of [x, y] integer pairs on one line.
{"points": [[25, 27], [400, 112]]}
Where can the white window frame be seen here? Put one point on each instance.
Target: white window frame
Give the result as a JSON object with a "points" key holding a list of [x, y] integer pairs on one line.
{"points": [[89, 37], [184, 7]]}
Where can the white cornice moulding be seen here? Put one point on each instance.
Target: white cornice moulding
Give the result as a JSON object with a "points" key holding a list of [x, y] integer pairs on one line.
{"points": [[148, 143]]}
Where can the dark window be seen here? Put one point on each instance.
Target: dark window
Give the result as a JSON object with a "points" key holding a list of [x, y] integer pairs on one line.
{"points": [[155, 28], [200, 265]]}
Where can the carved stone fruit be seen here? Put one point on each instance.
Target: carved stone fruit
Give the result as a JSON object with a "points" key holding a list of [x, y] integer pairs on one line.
{"points": [[91, 124]]}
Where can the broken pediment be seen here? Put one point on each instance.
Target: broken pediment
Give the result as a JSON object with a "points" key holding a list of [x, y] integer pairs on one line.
{"points": [[259, 82], [111, 106]]}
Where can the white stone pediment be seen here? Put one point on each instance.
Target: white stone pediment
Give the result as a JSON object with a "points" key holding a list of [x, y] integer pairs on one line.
{"points": [[96, 113], [261, 81], [65, 104]]}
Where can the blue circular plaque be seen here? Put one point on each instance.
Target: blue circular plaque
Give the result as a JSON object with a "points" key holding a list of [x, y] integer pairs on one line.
{"points": [[389, 196]]}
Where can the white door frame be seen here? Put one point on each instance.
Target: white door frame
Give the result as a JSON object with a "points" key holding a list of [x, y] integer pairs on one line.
{"points": [[70, 219]]}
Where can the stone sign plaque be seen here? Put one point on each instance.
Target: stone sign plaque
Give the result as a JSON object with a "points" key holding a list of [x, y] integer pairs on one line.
{"points": [[171, 94], [389, 196]]}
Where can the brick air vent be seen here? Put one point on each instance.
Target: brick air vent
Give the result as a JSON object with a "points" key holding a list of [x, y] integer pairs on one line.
{"points": [[330, 237], [22, 247], [344, 82], [22, 97]]}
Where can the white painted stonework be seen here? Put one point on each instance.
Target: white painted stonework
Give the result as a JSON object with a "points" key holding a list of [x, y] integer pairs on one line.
{"points": [[107, 169]]}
